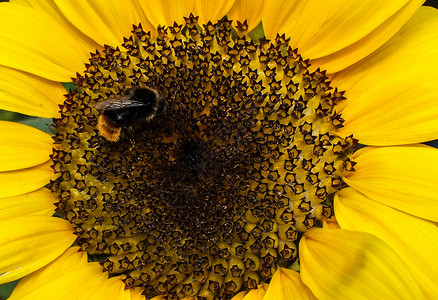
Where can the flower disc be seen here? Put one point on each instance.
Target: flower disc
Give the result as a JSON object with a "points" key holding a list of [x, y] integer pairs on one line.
{"points": [[210, 195]]}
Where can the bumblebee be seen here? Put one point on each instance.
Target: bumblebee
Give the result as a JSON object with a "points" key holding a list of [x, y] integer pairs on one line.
{"points": [[126, 110]]}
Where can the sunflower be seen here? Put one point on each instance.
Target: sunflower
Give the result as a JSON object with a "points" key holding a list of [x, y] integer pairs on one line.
{"points": [[279, 157]]}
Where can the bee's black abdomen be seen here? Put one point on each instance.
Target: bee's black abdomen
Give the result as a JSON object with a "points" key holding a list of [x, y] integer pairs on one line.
{"points": [[122, 117], [147, 96]]}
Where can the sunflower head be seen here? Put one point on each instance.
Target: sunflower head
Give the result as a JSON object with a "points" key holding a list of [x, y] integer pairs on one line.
{"points": [[211, 195]]}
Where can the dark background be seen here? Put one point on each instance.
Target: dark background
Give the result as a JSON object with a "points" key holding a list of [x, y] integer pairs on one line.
{"points": [[433, 3]]}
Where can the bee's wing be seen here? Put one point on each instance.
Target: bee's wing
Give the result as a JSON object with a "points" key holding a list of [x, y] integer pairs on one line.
{"points": [[118, 103]]}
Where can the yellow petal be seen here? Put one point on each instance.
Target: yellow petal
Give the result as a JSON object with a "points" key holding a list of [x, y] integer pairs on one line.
{"points": [[349, 55], [34, 42], [166, 12], [136, 294], [415, 240], [39, 203], [319, 28], [279, 16], [212, 10], [330, 223], [67, 277], [405, 178], [250, 10], [256, 294], [104, 21], [391, 95], [240, 296], [31, 242], [27, 3], [22, 146], [49, 7], [112, 288], [20, 182], [285, 285], [343, 264], [29, 94]]}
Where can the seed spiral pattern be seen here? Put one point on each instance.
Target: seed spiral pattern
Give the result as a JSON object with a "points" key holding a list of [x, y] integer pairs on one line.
{"points": [[212, 195]]}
